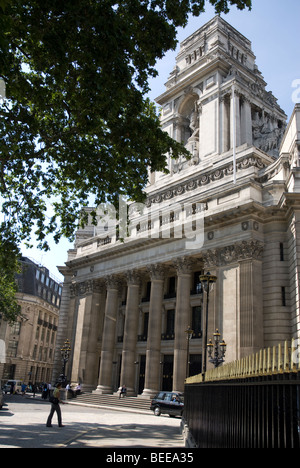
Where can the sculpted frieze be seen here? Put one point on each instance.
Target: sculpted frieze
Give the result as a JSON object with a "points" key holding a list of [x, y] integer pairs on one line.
{"points": [[204, 179]]}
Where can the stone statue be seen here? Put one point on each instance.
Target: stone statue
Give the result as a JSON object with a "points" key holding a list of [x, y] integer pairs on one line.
{"points": [[266, 136], [193, 141]]}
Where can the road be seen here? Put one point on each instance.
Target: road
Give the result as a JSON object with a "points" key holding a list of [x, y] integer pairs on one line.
{"points": [[23, 425]]}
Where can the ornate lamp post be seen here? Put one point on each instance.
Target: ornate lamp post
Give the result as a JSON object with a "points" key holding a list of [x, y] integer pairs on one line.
{"points": [[189, 332], [216, 352], [65, 355], [206, 281]]}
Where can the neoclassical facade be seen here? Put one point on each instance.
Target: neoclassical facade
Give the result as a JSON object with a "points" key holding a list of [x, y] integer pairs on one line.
{"points": [[232, 209]]}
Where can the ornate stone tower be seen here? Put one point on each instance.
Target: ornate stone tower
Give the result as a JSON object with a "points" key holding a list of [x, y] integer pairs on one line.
{"points": [[216, 99]]}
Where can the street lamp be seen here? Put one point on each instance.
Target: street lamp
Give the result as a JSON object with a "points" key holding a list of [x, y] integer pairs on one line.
{"points": [[65, 355], [189, 332], [206, 281], [216, 352]]}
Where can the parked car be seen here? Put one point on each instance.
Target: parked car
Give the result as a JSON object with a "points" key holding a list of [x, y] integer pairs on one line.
{"points": [[1, 398], [16, 384], [171, 403]]}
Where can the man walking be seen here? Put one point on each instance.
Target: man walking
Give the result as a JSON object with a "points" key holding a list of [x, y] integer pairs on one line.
{"points": [[55, 400]]}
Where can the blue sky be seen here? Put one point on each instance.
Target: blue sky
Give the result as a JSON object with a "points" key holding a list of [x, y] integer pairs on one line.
{"points": [[273, 27]]}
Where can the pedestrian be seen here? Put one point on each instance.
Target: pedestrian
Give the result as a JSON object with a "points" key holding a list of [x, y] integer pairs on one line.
{"points": [[23, 389], [55, 401], [45, 391], [123, 391], [70, 391]]}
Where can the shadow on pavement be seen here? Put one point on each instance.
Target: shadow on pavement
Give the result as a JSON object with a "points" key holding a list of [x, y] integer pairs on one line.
{"points": [[82, 434], [87, 435]]}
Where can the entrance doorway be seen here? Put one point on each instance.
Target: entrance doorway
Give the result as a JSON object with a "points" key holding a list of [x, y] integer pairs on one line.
{"points": [[167, 377], [142, 373]]}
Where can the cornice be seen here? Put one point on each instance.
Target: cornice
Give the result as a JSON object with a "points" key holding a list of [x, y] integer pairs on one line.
{"points": [[204, 178], [289, 202], [272, 170]]}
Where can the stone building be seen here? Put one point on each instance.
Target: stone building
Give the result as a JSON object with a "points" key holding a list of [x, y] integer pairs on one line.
{"points": [[28, 346], [232, 209]]}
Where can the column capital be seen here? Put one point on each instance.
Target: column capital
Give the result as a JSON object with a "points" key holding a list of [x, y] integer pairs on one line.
{"points": [[113, 282], [81, 288], [86, 287], [244, 250], [184, 265], [157, 271], [99, 286], [133, 277]]}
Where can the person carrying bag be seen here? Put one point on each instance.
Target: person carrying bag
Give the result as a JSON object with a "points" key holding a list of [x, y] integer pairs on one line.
{"points": [[55, 400]]}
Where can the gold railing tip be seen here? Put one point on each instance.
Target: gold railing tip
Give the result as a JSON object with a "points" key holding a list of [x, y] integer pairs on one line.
{"points": [[271, 361]]}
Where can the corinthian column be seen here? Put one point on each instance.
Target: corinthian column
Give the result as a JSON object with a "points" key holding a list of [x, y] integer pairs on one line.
{"points": [[182, 321], [152, 374], [94, 324], [109, 331], [235, 108], [130, 332]]}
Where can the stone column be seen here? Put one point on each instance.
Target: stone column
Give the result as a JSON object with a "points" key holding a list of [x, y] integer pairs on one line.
{"points": [[130, 332], [251, 297], [152, 373], [246, 121], [241, 267], [182, 321], [237, 120], [67, 316], [294, 270], [94, 328], [109, 332], [85, 290], [224, 124]]}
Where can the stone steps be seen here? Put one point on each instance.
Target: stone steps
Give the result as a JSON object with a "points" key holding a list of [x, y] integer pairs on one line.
{"points": [[113, 401]]}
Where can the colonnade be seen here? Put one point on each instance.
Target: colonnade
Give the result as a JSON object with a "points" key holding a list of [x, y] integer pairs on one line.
{"points": [[157, 274], [91, 316]]}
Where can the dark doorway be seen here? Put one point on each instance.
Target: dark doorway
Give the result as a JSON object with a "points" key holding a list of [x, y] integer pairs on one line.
{"points": [[195, 364], [167, 380], [142, 373]]}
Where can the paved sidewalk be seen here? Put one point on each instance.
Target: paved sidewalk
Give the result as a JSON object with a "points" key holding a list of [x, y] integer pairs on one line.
{"points": [[23, 424]]}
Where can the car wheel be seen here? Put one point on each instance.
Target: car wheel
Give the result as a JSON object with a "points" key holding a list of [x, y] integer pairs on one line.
{"points": [[157, 411]]}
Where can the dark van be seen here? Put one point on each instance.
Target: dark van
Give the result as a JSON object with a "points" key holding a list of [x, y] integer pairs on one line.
{"points": [[170, 403]]}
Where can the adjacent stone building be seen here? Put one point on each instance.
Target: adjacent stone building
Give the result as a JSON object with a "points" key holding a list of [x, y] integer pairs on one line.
{"points": [[233, 209], [28, 346]]}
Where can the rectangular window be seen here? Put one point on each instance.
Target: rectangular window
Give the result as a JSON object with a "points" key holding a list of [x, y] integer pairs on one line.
{"points": [[172, 284], [170, 324], [197, 322], [197, 287], [12, 348], [15, 328], [281, 252], [283, 296]]}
